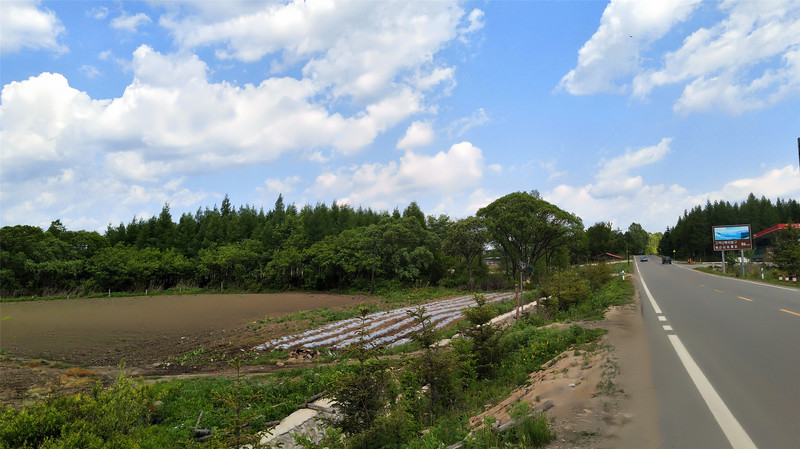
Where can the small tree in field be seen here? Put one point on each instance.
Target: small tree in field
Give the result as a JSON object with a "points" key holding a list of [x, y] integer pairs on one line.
{"points": [[435, 367], [361, 394], [483, 337]]}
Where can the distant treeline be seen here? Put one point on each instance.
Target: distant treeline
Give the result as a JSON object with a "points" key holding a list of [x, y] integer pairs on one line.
{"points": [[338, 248], [691, 236], [323, 247]]}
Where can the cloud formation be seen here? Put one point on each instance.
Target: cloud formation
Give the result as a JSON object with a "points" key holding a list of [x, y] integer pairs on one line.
{"points": [[130, 23], [719, 67], [417, 135], [385, 185], [622, 197], [24, 25], [626, 29], [364, 68]]}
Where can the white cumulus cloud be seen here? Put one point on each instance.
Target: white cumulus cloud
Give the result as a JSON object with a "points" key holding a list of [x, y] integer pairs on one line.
{"points": [[130, 23], [23, 24], [381, 185], [719, 66], [626, 29], [417, 135]]}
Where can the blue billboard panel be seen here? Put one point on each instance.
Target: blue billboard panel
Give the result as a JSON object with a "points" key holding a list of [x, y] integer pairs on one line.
{"points": [[732, 237]]}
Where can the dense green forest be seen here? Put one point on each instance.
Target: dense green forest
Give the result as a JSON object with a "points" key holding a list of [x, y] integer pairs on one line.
{"points": [[340, 248], [322, 247], [691, 236]]}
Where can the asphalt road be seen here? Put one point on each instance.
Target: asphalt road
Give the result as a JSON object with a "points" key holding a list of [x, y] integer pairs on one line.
{"points": [[725, 358]]}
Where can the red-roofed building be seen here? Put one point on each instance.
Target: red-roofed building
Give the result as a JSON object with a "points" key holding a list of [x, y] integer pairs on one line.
{"points": [[764, 241], [607, 257]]}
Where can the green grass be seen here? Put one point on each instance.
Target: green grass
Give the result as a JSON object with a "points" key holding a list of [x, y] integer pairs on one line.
{"points": [[752, 274]]}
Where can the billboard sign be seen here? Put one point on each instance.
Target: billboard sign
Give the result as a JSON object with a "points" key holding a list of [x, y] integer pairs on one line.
{"points": [[736, 237]]}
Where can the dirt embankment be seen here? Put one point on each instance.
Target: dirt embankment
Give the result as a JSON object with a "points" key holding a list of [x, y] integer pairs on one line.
{"points": [[604, 397]]}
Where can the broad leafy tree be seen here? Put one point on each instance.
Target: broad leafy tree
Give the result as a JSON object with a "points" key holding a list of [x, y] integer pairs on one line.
{"points": [[526, 227], [466, 238]]}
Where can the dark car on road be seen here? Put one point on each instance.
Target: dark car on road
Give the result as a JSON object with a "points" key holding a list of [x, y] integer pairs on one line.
{"points": [[643, 259], [666, 259]]}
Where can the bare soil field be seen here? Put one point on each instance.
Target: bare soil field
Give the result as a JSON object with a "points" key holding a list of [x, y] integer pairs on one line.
{"points": [[142, 330], [41, 339]]}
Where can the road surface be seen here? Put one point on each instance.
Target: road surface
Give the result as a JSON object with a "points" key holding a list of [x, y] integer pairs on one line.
{"points": [[725, 358]]}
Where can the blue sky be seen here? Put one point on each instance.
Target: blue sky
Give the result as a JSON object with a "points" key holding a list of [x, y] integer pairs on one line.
{"points": [[621, 111]]}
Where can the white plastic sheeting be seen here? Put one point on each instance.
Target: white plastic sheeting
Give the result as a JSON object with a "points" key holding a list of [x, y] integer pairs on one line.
{"points": [[390, 328]]}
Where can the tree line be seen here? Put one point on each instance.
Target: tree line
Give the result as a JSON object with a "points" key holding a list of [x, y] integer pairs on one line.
{"points": [[323, 247], [691, 236]]}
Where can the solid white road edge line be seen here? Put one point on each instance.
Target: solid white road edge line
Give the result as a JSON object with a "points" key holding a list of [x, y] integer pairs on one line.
{"points": [[647, 291], [727, 422], [730, 426]]}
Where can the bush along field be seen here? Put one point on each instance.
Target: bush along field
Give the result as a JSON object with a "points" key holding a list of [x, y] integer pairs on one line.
{"points": [[421, 398]]}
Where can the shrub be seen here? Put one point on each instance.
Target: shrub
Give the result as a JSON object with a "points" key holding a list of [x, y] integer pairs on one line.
{"points": [[564, 290], [483, 338], [597, 274]]}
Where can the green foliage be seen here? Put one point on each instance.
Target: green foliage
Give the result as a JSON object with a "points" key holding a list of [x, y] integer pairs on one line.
{"points": [[691, 235], [528, 432], [564, 290], [123, 416], [466, 238], [527, 227], [481, 347], [114, 415], [597, 274], [593, 307], [435, 369], [787, 252], [361, 394], [243, 423]]}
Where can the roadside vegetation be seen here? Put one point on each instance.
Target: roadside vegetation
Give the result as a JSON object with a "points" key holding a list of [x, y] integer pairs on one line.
{"points": [[420, 398], [690, 237]]}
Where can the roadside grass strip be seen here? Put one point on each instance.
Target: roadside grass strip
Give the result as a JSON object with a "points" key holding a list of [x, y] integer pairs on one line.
{"points": [[389, 328]]}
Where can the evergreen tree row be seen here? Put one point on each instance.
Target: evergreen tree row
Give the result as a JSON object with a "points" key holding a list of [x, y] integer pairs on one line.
{"points": [[314, 248], [691, 237]]}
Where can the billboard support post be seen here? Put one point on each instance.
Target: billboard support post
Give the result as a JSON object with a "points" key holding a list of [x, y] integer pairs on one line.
{"points": [[723, 261], [742, 262]]}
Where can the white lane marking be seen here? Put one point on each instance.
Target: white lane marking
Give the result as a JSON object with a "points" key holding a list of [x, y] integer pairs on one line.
{"points": [[647, 291], [730, 426], [662, 318], [727, 422], [667, 328]]}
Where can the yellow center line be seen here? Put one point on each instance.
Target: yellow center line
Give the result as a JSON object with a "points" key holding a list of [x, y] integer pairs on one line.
{"points": [[789, 311], [718, 291], [746, 299]]}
